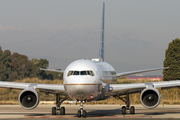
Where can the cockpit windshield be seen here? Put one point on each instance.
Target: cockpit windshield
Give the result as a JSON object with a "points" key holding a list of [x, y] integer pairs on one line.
{"points": [[88, 72], [76, 73], [83, 73]]}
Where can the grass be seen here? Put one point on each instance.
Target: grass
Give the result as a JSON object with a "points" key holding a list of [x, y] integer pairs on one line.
{"points": [[168, 96]]}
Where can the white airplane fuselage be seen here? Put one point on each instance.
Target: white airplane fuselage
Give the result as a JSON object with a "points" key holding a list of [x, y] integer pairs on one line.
{"points": [[83, 79]]}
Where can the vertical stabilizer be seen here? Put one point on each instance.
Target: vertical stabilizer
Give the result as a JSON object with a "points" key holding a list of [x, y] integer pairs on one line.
{"points": [[101, 50]]}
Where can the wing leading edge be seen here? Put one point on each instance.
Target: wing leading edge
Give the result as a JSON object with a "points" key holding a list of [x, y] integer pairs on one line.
{"points": [[48, 88], [121, 89]]}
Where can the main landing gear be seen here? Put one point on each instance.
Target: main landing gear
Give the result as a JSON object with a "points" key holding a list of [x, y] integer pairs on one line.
{"points": [[59, 110], [81, 111], [127, 107]]}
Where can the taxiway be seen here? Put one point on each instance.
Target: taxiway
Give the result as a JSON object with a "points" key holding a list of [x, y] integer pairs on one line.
{"points": [[93, 111]]}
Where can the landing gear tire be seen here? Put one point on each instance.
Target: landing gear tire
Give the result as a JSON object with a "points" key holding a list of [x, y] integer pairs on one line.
{"points": [[126, 108], [132, 110], [84, 113], [53, 110], [58, 109], [123, 110], [79, 113], [62, 111]]}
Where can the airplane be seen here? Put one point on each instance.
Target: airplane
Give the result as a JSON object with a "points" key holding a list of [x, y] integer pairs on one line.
{"points": [[91, 80]]}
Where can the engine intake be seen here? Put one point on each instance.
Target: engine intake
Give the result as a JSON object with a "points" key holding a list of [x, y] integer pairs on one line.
{"points": [[29, 98], [150, 97]]}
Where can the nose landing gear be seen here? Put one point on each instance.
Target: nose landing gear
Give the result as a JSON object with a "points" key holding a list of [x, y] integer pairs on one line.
{"points": [[81, 111]]}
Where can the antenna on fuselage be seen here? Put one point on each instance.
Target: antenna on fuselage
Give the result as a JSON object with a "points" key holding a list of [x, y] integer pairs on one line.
{"points": [[101, 50]]}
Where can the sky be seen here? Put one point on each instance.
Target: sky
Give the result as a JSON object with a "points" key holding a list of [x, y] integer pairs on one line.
{"points": [[137, 32]]}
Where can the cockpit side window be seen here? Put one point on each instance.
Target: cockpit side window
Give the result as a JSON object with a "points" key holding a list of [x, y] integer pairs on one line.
{"points": [[90, 73], [76, 73], [70, 73], [83, 73]]}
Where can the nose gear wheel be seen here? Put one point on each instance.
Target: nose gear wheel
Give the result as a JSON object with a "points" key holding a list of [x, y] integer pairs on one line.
{"points": [[81, 111]]}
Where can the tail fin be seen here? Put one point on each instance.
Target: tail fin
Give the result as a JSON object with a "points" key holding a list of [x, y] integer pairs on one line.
{"points": [[101, 50]]}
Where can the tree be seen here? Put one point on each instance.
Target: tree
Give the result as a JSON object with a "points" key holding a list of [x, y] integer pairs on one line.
{"points": [[54, 75], [42, 63], [16, 66], [172, 60], [20, 65], [5, 64]]}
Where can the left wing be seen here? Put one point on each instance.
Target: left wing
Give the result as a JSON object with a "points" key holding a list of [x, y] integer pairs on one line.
{"points": [[150, 97], [48, 88], [139, 71], [121, 89]]}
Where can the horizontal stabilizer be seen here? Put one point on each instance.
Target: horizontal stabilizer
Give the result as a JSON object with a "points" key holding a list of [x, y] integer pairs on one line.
{"points": [[52, 70], [139, 71]]}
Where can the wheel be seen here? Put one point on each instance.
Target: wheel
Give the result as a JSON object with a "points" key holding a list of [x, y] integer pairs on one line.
{"points": [[79, 113], [123, 110], [84, 113], [62, 111], [53, 110], [132, 110]]}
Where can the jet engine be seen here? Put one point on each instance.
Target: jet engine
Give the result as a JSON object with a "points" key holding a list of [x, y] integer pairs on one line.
{"points": [[150, 97], [29, 98]]}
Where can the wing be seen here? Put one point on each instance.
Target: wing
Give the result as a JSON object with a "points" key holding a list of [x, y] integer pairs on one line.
{"points": [[139, 71], [52, 70], [48, 88], [121, 89]]}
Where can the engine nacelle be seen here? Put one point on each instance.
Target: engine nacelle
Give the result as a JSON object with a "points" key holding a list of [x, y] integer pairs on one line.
{"points": [[150, 97], [29, 98]]}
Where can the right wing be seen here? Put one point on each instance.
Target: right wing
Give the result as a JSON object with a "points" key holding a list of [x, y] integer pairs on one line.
{"points": [[28, 97], [48, 88]]}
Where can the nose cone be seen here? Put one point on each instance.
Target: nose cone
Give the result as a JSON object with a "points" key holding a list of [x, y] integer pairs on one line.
{"points": [[82, 91], [79, 79]]}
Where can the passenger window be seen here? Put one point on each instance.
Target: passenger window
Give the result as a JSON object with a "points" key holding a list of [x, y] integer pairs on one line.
{"points": [[83, 73], [76, 73]]}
